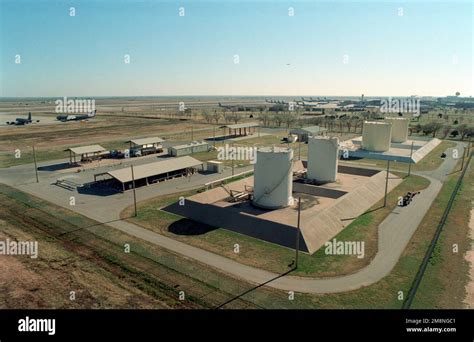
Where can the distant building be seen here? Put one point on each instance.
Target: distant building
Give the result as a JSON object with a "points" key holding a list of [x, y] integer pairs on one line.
{"points": [[456, 101], [193, 147]]}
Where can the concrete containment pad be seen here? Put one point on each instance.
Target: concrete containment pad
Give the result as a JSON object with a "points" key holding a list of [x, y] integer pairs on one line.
{"points": [[327, 209], [399, 152]]}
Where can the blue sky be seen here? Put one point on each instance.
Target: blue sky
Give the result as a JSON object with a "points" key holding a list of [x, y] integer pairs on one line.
{"points": [[427, 51]]}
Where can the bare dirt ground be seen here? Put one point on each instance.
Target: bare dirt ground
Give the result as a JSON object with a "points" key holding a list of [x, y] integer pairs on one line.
{"points": [[46, 282], [116, 120], [86, 132]]}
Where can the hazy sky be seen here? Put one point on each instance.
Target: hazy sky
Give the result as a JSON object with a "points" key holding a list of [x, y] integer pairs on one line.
{"points": [[428, 50]]}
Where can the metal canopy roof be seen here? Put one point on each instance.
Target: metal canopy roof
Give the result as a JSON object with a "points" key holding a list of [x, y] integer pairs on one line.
{"points": [[86, 149], [146, 141], [153, 169], [242, 125]]}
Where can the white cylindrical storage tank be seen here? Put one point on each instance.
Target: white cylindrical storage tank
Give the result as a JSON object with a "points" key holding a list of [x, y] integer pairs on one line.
{"points": [[376, 136], [273, 177], [323, 156], [399, 129]]}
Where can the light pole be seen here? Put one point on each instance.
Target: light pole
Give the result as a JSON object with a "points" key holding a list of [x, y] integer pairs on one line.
{"points": [[36, 166], [298, 233], [134, 194], [299, 149], [386, 184], [463, 156], [409, 164], [233, 155]]}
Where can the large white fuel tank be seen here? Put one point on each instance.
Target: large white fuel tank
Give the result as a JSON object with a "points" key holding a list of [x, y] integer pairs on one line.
{"points": [[399, 129], [323, 156], [376, 136], [273, 177]]}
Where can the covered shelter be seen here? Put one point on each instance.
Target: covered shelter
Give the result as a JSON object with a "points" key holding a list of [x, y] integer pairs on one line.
{"points": [[86, 153], [144, 146], [151, 173], [241, 129], [145, 142], [304, 132]]}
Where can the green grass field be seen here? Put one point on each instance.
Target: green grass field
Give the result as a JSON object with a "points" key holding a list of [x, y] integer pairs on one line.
{"points": [[443, 285]]}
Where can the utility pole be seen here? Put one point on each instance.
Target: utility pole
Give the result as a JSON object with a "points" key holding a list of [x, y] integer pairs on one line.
{"points": [[463, 156], [192, 133], [134, 193], [214, 135], [299, 149], [409, 164], [386, 184], [232, 159], [298, 233], [36, 166]]}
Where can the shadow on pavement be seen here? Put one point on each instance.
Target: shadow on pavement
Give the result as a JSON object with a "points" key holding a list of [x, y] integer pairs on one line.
{"points": [[57, 167], [189, 227]]}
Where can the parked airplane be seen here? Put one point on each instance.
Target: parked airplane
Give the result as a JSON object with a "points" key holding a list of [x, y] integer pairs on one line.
{"points": [[283, 102], [242, 108], [319, 100], [64, 118], [22, 121]]}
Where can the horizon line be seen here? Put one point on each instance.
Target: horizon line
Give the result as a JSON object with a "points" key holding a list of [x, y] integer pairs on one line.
{"points": [[109, 96]]}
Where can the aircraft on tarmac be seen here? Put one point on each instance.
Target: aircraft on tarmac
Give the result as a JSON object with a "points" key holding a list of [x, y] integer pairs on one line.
{"points": [[22, 121], [277, 101], [242, 107], [64, 118]]}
